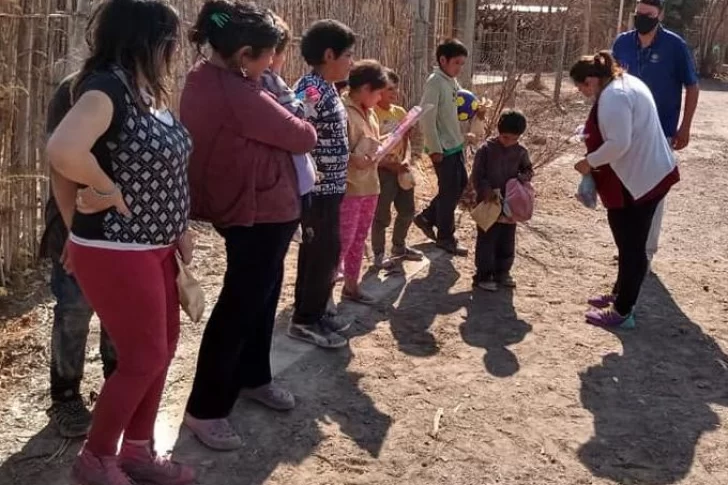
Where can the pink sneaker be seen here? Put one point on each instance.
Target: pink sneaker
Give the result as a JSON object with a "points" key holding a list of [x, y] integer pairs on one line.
{"points": [[89, 469], [143, 465]]}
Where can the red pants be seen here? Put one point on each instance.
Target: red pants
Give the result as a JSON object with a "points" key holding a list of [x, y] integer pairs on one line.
{"points": [[135, 295]]}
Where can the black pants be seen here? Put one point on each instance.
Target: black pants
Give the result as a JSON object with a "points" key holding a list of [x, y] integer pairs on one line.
{"points": [[495, 252], [630, 229], [452, 177], [318, 258], [235, 349]]}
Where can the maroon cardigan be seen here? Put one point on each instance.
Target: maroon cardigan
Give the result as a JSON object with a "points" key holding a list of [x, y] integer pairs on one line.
{"points": [[241, 172], [610, 188]]}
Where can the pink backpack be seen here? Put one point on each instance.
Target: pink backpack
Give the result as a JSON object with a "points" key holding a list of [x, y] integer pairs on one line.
{"points": [[519, 200]]}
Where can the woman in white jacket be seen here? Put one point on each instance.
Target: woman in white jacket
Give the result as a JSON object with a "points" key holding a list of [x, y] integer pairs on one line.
{"points": [[633, 166]]}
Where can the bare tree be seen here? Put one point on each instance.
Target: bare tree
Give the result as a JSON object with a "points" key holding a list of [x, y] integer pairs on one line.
{"points": [[715, 19]]}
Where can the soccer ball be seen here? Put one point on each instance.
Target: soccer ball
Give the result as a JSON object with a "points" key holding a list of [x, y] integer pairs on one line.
{"points": [[467, 104]]}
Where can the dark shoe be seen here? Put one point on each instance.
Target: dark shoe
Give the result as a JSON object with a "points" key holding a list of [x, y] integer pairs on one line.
{"points": [[382, 262], [317, 334], [507, 281], [407, 253], [427, 228], [360, 297], [453, 247], [489, 286], [336, 324], [71, 418]]}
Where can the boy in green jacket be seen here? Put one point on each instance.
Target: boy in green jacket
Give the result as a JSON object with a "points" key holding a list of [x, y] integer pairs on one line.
{"points": [[444, 143]]}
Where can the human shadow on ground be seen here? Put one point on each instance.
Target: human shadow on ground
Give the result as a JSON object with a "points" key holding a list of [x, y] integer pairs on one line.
{"points": [[421, 301], [329, 401], [44, 460], [492, 324], [652, 403]]}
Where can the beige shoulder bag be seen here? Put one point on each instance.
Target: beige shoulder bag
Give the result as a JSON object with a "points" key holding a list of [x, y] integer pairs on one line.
{"points": [[191, 296]]}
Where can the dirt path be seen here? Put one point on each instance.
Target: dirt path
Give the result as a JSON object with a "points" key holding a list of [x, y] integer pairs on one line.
{"points": [[529, 394]]}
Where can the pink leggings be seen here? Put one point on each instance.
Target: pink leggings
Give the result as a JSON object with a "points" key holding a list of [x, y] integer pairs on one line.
{"points": [[135, 295], [357, 214]]}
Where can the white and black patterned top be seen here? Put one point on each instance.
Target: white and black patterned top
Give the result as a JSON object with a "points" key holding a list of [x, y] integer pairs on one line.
{"points": [[146, 154], [332, 149]]}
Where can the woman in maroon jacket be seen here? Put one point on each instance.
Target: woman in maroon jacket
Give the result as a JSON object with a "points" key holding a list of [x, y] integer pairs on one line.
{"points": [[242, 180]]}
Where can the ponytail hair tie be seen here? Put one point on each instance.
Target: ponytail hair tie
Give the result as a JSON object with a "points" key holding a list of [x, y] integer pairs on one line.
{"points": [[220, 19]]}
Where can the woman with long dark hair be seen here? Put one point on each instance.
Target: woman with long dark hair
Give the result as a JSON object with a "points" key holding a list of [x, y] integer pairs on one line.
{"points": [[634, 169], [122, 156], [243, 181]]}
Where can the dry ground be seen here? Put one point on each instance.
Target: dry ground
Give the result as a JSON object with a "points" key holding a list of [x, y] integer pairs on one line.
{"points": [[529, 394]]}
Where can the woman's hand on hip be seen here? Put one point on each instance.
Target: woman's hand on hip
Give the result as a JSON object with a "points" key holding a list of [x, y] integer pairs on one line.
{"points": [[66, 260], [582, 166], [92, 201]]}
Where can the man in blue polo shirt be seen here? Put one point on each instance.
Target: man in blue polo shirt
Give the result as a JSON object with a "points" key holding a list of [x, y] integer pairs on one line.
{"points": [[662, 59]]}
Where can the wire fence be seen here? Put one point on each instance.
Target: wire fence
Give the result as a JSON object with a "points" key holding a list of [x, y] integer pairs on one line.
{"points": [[512, 45], [42, 41]]}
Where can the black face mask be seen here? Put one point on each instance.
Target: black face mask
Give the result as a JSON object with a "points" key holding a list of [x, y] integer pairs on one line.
{"points": [[644, 23]]}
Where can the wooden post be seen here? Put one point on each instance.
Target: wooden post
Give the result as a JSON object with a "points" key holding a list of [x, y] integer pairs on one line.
{"points": [[586, 46], [421, 52], [512, 58], [466, 23], [511, 82], [421, 56]]}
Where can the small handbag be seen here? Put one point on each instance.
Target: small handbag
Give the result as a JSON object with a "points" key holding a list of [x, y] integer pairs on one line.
{"points": [[191, 296]]}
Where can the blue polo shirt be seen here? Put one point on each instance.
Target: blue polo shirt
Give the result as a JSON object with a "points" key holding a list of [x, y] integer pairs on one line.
{"points": [[666, 67]]}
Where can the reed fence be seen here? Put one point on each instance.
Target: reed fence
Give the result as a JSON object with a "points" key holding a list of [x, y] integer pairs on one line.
{"points": [[42, 41]]}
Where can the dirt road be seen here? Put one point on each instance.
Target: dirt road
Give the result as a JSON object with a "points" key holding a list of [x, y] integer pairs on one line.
{"points": [[528, 393]]}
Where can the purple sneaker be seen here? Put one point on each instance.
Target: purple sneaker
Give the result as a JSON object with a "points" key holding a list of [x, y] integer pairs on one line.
{"points": [[602, 301], [609, 318]]}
